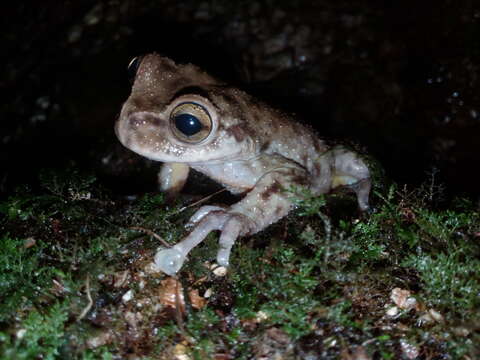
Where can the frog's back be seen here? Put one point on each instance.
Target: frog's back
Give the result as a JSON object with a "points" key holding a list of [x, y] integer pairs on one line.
{"points": [[327, 167]]}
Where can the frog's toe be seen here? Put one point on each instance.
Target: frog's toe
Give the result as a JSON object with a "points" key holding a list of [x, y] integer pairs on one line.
{"points": [[169, 261]]}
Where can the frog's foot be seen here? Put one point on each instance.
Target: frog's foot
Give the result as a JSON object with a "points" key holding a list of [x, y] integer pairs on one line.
{"points": [[362, 189], [169, 260], [232, 225]]}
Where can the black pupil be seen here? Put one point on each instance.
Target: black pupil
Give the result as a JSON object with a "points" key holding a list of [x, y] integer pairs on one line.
{"points": [[187, 124]]}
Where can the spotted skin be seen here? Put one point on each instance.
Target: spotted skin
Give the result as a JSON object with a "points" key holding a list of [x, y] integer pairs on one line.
{"points": [[249, 148]]}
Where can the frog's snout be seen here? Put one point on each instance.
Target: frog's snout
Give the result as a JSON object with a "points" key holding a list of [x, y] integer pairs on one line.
{"points": [[141, 119]]}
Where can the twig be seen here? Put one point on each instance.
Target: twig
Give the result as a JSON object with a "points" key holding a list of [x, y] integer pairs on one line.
{"points": [[151, 233], [327, 225], [89, 297], [200, 201], [178, 312]]}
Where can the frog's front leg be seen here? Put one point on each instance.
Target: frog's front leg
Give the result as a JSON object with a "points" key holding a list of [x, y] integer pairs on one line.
{"points": [[263, 205], [172, 177]]}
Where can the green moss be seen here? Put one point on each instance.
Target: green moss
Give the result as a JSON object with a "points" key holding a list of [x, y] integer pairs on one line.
{"points": [[284, 294], [98, 354], [451, 281], [23, 280], [324, 269], [38, 336]]}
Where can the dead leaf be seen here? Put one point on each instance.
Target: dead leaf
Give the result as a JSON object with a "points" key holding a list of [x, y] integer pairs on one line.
{"points": [[403, 299], [120, 278], [358, 353], [104, 338], [171, 294], [29, 242]]}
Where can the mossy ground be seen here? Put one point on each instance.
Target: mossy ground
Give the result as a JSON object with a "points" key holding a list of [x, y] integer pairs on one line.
{"points": [[74, 279]]}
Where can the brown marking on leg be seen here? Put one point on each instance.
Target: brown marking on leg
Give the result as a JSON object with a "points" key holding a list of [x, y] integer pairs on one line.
{"points": [[274, 188]]}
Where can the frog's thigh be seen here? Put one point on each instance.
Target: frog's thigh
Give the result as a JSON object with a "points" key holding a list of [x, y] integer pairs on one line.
{"points": [[268, 201], [348, 167], [172, 178]]}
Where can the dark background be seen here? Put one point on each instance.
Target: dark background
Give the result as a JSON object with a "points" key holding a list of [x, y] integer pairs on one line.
{"points": [[401, 78]]}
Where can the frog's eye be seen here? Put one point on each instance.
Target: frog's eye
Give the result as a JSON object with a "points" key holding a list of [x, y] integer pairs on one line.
{"points": [[190, 122], [133, 67]]}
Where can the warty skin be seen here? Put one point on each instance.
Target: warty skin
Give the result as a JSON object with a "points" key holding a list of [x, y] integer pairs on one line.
{"points": [[183, 117]]}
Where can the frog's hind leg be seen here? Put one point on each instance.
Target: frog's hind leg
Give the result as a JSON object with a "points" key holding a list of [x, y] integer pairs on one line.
{"points": [[351, 171]]}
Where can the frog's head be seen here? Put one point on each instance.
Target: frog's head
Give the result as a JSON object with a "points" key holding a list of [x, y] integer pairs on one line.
{"points": [[178, 113]]}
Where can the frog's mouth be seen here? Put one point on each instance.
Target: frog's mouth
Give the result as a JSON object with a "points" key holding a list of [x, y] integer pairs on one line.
{"points": [[139, 127], [144, 133]]}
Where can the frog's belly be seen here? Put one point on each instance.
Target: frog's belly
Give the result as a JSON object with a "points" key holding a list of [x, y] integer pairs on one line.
{"points": [[237, 177]]}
